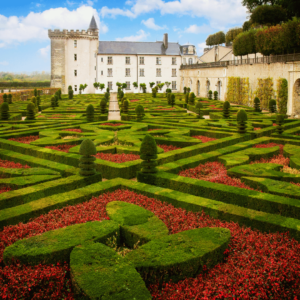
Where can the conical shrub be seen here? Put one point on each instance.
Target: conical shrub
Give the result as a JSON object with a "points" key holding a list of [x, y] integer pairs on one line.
{"points": [[172, 100], [139, 110], [30, 111], [241, 121], [5, 98], [226, 108], [280, 121], [4, 111], [90, 113], [53, 102], [87, 165], [192, 98], [148, 153], [199, 112], [9, 98], [272, 106], [257, 104], [103, 106], [125, 106]]}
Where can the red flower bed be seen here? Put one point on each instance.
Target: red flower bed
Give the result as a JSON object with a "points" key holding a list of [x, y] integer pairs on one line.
{"points": [[112, 124], [25, 139], [257, 128], [168, 148], [62, 148], [203, 101], [213, 172], [4, 189], [11, 164], [276, 159], [117, 158], [166, 108], [274, 124], [154, 129], [204, 139], [256, 265], [134, 100], [73, 130]]}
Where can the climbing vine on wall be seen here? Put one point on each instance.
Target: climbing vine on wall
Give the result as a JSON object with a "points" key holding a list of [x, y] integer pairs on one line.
{"points": [[265, 91], [238, 90], [282, 95]]}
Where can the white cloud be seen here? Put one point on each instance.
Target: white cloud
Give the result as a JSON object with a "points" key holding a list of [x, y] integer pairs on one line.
{"points": [[35, 25], [220, 13], [198, 29], [201, 47], [150, 23], [4, 63], [141, 35], [38, 4], [44, 52]]}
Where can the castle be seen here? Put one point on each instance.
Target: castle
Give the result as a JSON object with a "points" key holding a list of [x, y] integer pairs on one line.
{"points": [[78, 57]]}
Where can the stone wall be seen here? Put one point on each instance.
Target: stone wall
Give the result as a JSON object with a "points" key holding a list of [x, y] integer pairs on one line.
{"points": [[216, 78]]}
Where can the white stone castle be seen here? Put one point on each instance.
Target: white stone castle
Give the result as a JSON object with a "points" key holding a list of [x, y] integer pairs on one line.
{"points": [[78, 57]]}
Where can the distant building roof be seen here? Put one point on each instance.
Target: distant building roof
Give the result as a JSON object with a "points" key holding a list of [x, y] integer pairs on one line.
{"points": [[93, 24], [122, 47]]}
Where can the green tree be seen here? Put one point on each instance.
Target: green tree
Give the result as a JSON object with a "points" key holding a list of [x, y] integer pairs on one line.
{"points": [[246, 25], [272, 106], [125, 106], [192, 98], [152, 84], [103, 104], [187, 98], [282, 92], [226, 110], [53, 102], [232, 34], [172, 102], [148, 153], [199, 112], [35, 92], [216, 95], [280, 122], [210, 95], [135, 84], [30, 111], [257, 104], [87, 165], [245, 43], [268, 15], [154, 91], [124, 86]]}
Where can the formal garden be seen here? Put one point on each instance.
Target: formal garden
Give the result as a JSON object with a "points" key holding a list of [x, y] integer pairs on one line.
{"points": [[183, 198]]}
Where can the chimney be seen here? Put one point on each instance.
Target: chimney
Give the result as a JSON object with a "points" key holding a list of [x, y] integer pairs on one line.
{"points": [[165, 40]]}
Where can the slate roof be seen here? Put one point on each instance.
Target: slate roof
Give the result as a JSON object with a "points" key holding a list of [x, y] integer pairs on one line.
{"points": [[122, 47], [93, 24]]}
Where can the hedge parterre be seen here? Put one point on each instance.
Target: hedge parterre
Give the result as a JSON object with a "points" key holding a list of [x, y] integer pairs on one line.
{"points": [[256, 265]]}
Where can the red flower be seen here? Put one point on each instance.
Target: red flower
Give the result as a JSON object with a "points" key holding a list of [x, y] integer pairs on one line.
{"points": [[117, 158]]}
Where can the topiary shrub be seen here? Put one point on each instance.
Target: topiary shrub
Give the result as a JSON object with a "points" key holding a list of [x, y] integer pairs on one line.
{"points": [[87, 165], [53, 102], [192, 98], [38, 102], [90, 113], [4, 111], [186, 98], [148, 153], [199, 112], [168, 91], [210, 95], [30, 111], [70, 93], [59, 94], [5, 98], [257, 104], [169, 98], [188, 90], [226, 107], [154, 91], [106, 96], [35, 92], [172, 100], [216, 94], [280, 122], [107, 90], [56, 97], [139, 110], [103, 106], [184, 90], [9, 98], [272, 106], [125, 106], [241, 121]]}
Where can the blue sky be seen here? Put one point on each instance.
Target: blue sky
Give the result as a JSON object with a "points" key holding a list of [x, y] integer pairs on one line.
{"points": [[25, 46]]}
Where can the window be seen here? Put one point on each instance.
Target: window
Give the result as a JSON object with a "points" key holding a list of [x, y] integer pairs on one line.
{"points": [[127, 72], [75, 43], [75, 57], [75, 88], [190, 61], [184, 50], [174, 61], [128, 85], [109, 85], [101, 59], [158, 60], [127, 60], [174, 73], [142, 72], [158, 72], [75, 72], [158, 82], [109, 73], [174, 85], [109, 60], [101, 72], [142, 61], [184, 61]]}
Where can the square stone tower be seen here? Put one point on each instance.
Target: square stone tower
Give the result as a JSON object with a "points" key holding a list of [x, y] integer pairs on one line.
{"points": [[73, 57]]}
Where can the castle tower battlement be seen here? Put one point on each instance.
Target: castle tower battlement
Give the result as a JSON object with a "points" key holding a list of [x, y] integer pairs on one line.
{"points": [[73, 57]]}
